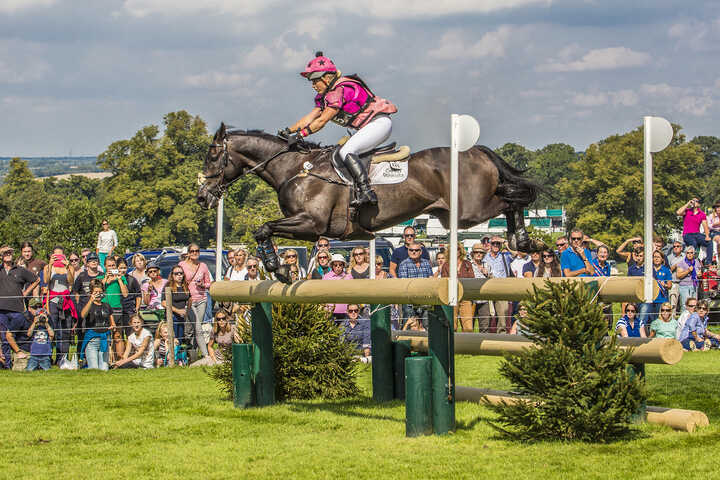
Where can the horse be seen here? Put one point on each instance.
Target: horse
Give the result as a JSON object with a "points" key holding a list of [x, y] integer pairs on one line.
{"points": [[315, 202]]}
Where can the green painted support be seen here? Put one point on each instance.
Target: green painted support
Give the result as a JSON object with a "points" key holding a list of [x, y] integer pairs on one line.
{"points": [[400, 350], [242, 363], [418, 396], [638, 369], [382, 357], [441, 349], [263, 367]]}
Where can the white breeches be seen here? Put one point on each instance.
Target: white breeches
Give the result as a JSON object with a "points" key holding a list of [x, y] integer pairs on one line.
{"points": [[368, 137]]}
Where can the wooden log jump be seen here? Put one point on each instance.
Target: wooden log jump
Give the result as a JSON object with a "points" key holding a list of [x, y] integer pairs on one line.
{"points": [[664, 351], [611, 289], [420, 291], [676, 418]]}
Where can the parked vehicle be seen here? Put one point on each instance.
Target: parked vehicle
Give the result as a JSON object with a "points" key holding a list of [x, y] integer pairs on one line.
{"points": [[167, 260]]}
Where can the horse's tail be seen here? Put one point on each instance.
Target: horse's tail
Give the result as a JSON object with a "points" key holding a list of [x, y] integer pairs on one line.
{"points": [[512, 186]]}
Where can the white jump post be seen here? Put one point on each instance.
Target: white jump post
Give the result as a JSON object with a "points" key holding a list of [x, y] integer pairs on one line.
{"points": [[657, 136], [219, 240], [464, 132], [372, 258]]}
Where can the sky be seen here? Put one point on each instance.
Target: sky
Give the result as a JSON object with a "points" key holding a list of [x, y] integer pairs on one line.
{"points": [[76, 75]]}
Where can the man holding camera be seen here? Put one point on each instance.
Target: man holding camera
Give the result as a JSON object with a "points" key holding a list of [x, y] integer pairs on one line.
{"points": [[693, 219], [42, 336], [12, 304], [18, 338]]}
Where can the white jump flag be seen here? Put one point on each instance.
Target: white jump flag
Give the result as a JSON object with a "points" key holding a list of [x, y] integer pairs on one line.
{"points": [[658, 135], [464, 133]]}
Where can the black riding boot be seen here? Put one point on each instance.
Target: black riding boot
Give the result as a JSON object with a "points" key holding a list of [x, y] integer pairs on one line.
{"points": [[267, 254], [365, 193]]}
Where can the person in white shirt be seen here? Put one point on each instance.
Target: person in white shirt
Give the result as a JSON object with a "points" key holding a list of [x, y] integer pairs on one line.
{"points": [[140, 349], [516, 266], [107, 242]]}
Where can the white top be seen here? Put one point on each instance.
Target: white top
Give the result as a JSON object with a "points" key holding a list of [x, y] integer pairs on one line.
{"points": [[516, 266], [107, 241], [237, 274], [147, 359]]}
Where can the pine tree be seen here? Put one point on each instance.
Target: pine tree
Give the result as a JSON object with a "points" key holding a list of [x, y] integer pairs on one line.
{"points": [[574, 381]]}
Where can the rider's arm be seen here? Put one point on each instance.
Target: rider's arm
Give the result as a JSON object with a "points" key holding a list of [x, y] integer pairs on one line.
{"points": [[305, 121], [320, 121]]}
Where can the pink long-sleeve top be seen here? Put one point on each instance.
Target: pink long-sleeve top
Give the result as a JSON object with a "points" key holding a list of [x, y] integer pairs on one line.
{"points": [[338, 307], [198, 278]]}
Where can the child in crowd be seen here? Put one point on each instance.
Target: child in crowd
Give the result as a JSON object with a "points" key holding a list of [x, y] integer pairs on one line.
{"points": [[42, 336]]}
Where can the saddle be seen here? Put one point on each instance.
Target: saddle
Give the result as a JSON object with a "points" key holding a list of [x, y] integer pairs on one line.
{"points": [[396, 157]]}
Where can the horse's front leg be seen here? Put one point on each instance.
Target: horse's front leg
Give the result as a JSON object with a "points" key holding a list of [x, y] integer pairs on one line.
{"points": [[300, 227]]}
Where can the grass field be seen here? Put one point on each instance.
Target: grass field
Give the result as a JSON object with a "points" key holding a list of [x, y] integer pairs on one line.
{"points": [[174, 423]]}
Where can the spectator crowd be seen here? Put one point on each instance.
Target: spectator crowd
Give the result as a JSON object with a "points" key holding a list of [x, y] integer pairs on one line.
{"points": [[91, 309]]}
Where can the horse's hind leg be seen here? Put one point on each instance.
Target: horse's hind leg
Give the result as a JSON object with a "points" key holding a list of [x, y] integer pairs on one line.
{"points": [[518, 238]]}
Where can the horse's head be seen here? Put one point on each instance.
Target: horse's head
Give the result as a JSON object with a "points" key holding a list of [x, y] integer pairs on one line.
{"points": [[218, 170]]}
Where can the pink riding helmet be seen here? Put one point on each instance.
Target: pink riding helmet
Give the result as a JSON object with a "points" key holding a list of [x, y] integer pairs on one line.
{"points": [[318, 66]]}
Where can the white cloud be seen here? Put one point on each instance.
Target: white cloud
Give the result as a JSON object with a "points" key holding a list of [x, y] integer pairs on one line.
{"points": [[590, 99], [277, 56], [453, 46], [625, 98], [217, 80], [144, 8], [381, 30], [21, 62], [10, 6], [660, 89], [693, 105], [599, 59], [312, 26], [431, 8]]}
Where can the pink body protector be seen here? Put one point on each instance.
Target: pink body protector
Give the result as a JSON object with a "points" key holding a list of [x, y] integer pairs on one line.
{"points": [[356, 102]]}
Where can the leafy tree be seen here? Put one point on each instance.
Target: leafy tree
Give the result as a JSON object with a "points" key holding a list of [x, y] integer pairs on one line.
{"points": [[516, 155], [77, 186], [150, 199], [29, 209], [548, 166], [574, 385], [604, 194], [709, 173], [75, 226]]}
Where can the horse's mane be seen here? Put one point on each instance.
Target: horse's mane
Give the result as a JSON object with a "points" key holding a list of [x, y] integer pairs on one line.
{"points": [[269, 136]]}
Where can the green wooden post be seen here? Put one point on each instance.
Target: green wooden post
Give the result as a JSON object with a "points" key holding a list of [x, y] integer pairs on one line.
{"points": [[263, 367], [400, 351], [382, 359], [418, 396], [242, 362], [441, 349], [638, 369]]}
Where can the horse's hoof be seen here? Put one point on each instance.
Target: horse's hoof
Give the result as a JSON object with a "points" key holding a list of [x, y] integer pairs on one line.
{"points": [[512, 243], [283, 274], [537, 245]]}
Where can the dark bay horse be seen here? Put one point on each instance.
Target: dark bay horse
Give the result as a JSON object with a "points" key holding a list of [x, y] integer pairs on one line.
{"points": [[315, 203]]}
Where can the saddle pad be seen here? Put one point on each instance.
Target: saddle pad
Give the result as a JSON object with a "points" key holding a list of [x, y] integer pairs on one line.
{"points": [[385, 173]]}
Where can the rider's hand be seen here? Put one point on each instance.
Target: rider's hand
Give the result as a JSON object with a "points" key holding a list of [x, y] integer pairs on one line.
{"points": [[294, 139], [284, 133]]}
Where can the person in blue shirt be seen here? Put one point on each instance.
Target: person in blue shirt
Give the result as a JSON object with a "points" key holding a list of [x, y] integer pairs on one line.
{"points": [[694, 334], [575, 261], [628, 325], [601, 267], [663, 276], [357, 330], [401, 253]]}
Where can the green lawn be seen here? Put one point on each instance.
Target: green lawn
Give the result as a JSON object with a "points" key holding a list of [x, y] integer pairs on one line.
{"points": [[174, 423]]}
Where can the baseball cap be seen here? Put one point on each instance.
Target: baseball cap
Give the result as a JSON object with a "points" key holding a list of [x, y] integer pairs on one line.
{"points": [[92, 256]]}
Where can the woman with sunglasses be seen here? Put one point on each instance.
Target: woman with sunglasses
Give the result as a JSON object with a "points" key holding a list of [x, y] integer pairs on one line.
{"points": [[379, 272], [549, 266], [152, 289], [322, 265], [663, 277], [665, 325], [357, 330], [223, 335], [197, 277], [629, 325], [359, 266], [291, 258], [180, 301], [694, 334], [337, 272], [464, 310], [60, 275]]}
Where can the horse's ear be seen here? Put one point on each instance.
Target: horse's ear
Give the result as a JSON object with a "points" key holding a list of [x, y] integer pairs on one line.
{"points": [[222, 130]]}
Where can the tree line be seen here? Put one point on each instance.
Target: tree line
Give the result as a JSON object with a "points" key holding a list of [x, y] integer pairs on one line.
{"points": [[150, 197]]}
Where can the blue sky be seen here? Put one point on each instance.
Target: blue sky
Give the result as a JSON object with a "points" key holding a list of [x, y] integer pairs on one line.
{"points": [[80, 74]]}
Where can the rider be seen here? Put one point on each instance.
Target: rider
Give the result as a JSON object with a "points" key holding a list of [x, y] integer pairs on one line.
{"points": [[347, 101]]}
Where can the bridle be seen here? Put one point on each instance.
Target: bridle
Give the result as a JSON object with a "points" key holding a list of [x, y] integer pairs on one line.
{"points": [[223, 187]]}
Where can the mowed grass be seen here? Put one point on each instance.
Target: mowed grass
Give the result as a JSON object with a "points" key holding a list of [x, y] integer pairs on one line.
{"points": [[174, 423]]}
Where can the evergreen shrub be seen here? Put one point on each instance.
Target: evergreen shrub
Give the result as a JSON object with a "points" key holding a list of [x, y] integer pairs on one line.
{"points": [[311, 358], [574, 381]]}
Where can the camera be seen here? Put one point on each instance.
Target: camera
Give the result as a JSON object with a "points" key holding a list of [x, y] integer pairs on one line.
{"points": [[114, 271], [41, 319]]}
